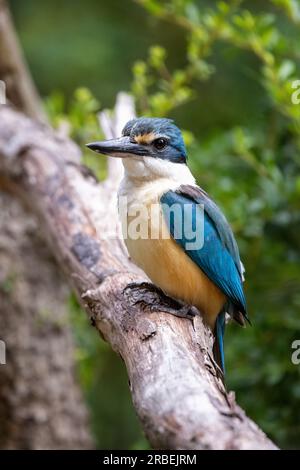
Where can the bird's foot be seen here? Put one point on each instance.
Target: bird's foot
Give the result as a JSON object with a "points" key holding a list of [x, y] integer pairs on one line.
{"points": [[152, 298]]}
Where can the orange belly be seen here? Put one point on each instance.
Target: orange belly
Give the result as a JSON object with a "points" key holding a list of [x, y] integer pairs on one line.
{"points": [[169, 268]]}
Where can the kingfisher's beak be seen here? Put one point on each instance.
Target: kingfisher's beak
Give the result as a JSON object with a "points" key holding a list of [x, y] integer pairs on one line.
{"points": [[120, 148]]}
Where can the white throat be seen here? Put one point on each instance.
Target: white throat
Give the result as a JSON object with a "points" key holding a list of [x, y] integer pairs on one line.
{"points": [[146, 176]]}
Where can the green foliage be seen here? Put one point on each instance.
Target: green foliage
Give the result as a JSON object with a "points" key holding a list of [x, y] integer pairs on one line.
{"points": [[252, 170], [78, 118]]}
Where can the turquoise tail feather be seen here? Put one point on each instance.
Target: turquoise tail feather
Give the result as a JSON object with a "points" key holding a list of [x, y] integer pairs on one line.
{"points": [[219, 343]]}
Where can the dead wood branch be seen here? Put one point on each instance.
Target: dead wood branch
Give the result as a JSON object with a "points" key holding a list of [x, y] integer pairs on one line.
{"points": [[20, 89], [175, 389], [41, 404]]}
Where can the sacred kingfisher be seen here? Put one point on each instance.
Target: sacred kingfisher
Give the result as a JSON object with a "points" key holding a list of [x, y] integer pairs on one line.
{"points": [[207, 275]]}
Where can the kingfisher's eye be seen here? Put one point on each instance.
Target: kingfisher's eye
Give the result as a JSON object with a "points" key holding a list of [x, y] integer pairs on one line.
{"points": [[160, 143]]}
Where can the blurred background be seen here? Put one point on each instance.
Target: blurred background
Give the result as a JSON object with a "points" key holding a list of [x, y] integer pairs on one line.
{"points": [[224, 71]]}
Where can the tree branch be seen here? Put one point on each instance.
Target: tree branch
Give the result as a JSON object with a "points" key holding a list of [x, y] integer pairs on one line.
{"points": [[41, 404], [20, 88], [181, 402]]}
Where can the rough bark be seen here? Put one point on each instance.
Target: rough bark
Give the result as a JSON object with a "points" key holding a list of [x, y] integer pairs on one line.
{"points": [[20, 88], [176, 390], [40, 401], [41, 405]]}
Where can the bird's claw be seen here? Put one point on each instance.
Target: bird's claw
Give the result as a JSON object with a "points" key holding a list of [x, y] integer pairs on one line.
{"points": [[153, 299]]}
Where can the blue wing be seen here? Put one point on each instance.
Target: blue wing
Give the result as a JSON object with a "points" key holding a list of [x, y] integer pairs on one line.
{"points": [[218, 257]]}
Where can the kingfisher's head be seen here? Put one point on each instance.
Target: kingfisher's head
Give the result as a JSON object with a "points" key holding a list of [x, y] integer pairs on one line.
{"points": [[153, 142]]}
